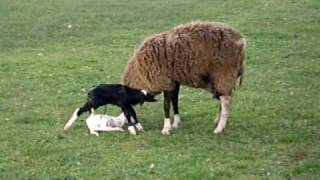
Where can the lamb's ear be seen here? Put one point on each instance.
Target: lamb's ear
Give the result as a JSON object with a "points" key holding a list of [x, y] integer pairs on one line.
{"points": [[145, 92]]}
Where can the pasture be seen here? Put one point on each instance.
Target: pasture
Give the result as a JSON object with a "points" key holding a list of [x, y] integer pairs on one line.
{"points": [[52, 52]]}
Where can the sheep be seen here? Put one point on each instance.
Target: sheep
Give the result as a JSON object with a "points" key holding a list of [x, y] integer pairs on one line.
{"points": [[207, 55]]}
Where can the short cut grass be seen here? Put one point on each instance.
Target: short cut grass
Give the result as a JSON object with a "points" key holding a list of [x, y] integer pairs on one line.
{"points": [[52, 52]]}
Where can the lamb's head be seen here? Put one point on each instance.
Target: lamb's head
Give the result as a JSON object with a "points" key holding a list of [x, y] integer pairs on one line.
{"points": [[147, 97]]}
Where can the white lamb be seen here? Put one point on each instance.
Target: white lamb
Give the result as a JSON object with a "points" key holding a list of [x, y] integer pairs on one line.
{"points": [[99, 122]]}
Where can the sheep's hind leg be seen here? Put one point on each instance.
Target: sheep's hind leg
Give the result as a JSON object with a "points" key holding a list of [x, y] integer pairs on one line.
{"points": [[216, 120], [166, 106], [225, 106], [175, 100]]}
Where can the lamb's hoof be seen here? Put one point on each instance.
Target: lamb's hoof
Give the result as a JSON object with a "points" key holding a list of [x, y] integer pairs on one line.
{"points": [[132, 130], [119, 129], [139, 127], [95, 133], [165, 131], [66, 127]]}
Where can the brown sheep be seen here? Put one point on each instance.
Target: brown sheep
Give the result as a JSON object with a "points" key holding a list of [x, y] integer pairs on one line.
{"points": [[208, 55]]}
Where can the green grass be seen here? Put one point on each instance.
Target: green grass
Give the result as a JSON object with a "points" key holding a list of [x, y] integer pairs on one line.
{"points": [[46, 69]]}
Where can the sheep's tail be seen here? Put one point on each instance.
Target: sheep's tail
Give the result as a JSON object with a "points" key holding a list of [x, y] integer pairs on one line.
{"points": [[241, 73], [242, 43]]}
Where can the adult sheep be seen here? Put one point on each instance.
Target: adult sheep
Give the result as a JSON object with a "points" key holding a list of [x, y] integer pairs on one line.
{"points": [[208, 55]]}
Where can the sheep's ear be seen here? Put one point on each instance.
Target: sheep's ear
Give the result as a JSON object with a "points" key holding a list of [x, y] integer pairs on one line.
{"points": [[144, 92]]}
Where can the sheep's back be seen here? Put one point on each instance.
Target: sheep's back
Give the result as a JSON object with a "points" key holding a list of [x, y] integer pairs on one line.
{"points": [[188, 54]]}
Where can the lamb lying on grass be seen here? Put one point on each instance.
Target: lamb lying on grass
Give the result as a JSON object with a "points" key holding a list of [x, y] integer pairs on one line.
{"points": [[98, 122]]}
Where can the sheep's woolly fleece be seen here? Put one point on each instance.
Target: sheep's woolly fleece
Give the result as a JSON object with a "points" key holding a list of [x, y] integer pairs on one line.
{"points": [[207, 55]]}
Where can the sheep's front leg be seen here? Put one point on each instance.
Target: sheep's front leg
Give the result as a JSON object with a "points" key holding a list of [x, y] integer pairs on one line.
{"points": [[224, 114]]}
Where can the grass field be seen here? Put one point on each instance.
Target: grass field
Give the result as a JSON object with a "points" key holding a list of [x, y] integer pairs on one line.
{"points": [[52, 52]]}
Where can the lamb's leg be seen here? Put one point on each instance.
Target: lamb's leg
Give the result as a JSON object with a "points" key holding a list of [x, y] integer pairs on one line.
{"points": [[94, 133], [138, 125], [107, 128], [127, 114], [175, 102], [94, 130], [166, 106], [86, 107], [121, 120], [71, 120], [225, 106], [92, 111]]}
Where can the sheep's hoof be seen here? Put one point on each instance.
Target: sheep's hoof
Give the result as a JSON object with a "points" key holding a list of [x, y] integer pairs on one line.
{"points": [[176, 122], [176, 125], [165, 131], [218, 130]]}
